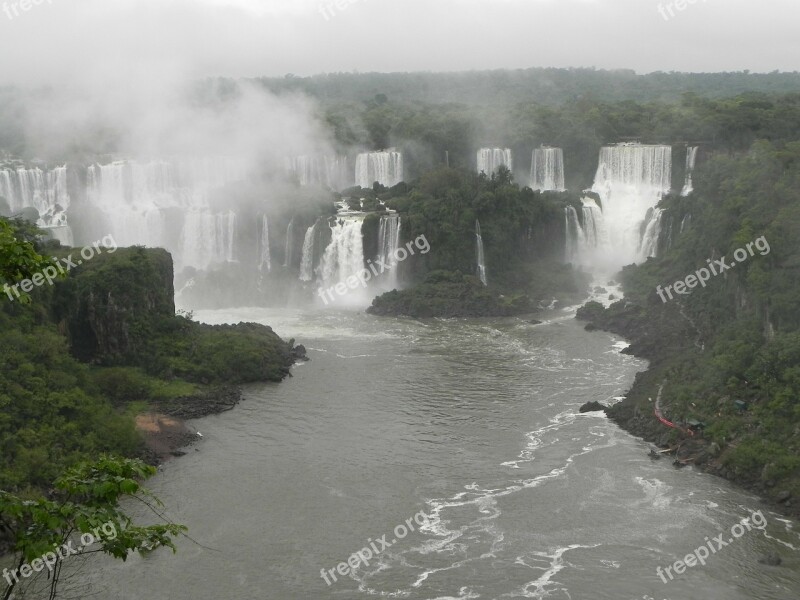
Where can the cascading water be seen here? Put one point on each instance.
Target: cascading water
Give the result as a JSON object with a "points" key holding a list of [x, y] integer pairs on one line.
{"points": [[384, 167], [44, 190], [547, 169], [208, 238], [491, 159], [388, 242], [329, 171], [630, 181], [307, 261], [574, 233], [651, 231], [481, 258], [691, 160], [265, 264], [344, 257], [584, 235], [288, 249], [140, 202]]}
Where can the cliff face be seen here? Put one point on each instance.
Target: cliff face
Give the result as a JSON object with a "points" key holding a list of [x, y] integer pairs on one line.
{"points": [[109, 305]]}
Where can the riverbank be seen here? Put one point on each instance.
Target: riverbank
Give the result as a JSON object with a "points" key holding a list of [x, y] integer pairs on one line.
{"points": [[661, 337], [164, 430]]}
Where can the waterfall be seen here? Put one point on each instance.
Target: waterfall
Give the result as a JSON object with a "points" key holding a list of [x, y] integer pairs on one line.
{"points": [[480, 255], [584, 235], [651, 231], [691, 160], [328, 171], [547, 169], [630, 180], [307, 262], [337, 174], [265, 263], [44, 190], [305, 168], [289, 248], [344, 255], [574, 233], [140, 203], [593, 229], [207, 238], [388, 242], [384, 167], [490, 159]]}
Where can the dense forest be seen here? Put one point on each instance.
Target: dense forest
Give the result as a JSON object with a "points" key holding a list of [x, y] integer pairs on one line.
{"points": [[82, 358], [725, 355], [547, 86]]}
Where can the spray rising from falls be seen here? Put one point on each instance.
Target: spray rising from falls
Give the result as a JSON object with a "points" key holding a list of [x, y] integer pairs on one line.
{"points": [[167, 205], [691, 160], [44, 190], [547, 169], [481, 258], [491, 159], [384, 167], [388, 243], [630, 181]]}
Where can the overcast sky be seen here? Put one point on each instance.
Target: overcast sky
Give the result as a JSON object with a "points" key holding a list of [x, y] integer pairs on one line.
{"points": [[64, 39]]}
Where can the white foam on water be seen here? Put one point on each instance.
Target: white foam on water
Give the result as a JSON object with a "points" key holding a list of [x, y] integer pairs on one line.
{"points": [[554, 562]]}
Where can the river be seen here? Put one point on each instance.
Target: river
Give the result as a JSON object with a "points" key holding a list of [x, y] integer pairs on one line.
{"points": [[475, 423]]}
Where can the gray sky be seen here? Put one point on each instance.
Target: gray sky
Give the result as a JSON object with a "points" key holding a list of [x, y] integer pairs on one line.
{"points": [[66, 39]]}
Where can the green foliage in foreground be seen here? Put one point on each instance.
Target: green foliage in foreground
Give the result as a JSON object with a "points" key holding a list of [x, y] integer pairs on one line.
{"points": [[85, 500], [19, 257]]}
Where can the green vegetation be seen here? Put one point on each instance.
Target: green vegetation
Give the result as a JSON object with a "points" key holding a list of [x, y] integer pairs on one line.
{"points": [[84, 500], [523, 235], [549, 86], [446, 294], [581, 125], [738, 339], [84, 355]]}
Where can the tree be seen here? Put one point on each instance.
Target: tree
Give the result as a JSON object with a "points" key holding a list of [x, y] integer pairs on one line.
{"points": [[85, 503], [19, 258]]}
